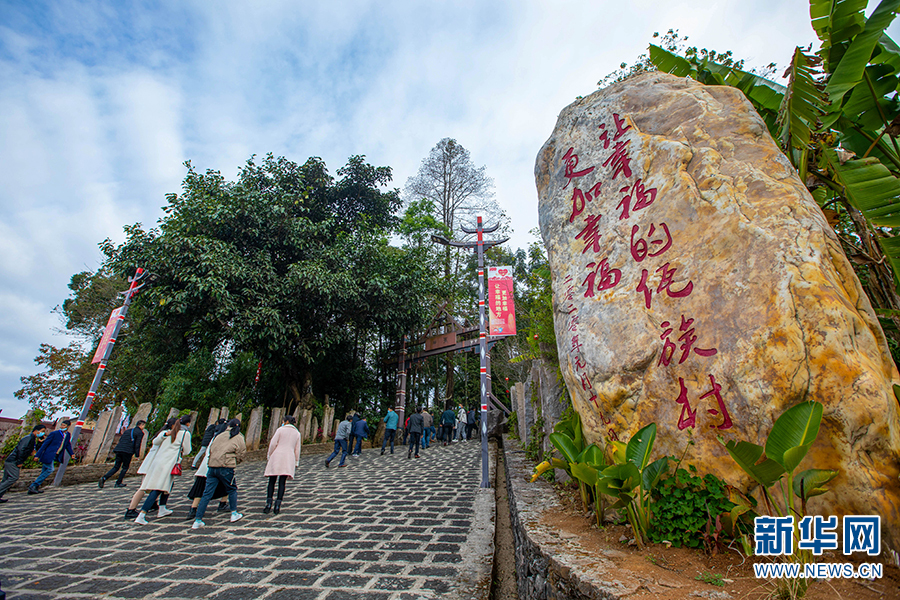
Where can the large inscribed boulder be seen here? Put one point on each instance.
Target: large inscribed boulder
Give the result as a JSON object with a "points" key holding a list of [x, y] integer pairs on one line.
{"points": [[697, 285]]}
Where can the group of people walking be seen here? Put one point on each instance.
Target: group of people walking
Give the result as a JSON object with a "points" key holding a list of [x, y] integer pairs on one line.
{"points": [[48, 449], [419, 432], [221, 449]]}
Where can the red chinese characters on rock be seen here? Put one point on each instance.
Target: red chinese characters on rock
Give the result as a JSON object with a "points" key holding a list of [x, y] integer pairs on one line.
{"points": [[665, 283], [571, 160], [590, 235], [640, 248], [579, 200], [604, 137], [643, 197], [688, 417], [609, 277], [687, 340]]}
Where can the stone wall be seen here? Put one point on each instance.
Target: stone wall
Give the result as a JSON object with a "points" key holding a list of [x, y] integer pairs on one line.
{"points": [[548, 565]]}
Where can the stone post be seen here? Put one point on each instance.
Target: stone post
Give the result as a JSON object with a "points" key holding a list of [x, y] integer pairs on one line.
{"points": [[379, 434], [102, 437], [173, 412], [327, 418], [334, 427], [223, 414], [254, 428], [314, 430], [142, 414], [275, 421], [213, 417], [297, 416], [521, 409], [303, 424]]}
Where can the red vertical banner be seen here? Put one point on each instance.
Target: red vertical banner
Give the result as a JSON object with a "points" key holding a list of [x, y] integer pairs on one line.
{"points": [[107, 335], [500, 298]]}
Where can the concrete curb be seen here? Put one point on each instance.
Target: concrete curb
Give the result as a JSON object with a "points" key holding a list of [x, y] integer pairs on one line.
{"points": [[478, 551]]}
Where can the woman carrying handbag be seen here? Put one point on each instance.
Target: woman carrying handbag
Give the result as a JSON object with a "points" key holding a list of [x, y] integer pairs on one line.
{"points": [[170, 446]]}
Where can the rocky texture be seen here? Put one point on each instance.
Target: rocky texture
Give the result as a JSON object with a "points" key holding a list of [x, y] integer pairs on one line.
{"points": [[254, 428], [104, 432], [687, 255]]}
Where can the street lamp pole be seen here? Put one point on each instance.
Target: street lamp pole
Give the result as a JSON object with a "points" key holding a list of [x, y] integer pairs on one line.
{"points": [[479, 246], [101, 368]]}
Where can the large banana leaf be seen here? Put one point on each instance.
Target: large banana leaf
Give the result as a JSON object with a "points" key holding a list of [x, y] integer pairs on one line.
{"points": [[812, 482], [869, 187], [640, 446], [668, 62], [565, 445], [653, 472], [593, 456], [747, 455], [850, 67], [585, 473], [836, 22], [793, 434], [869, 110], [802, 103]]}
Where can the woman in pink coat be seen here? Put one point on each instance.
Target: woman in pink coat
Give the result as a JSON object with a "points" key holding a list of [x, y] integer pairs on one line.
{"points": [[284, 456]]}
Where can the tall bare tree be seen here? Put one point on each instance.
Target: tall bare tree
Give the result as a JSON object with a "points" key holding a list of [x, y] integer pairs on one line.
{"points": [[458, 189]]}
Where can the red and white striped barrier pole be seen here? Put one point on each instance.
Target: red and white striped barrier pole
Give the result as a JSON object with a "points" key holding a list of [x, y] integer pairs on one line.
{"points": [[101, 368]]}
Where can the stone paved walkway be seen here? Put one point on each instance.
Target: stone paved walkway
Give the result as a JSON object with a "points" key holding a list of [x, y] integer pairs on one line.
{"points": [[383, 528]]}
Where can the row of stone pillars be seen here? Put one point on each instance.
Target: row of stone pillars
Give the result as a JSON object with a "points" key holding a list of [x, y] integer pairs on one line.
{"points": [[105, 429]]}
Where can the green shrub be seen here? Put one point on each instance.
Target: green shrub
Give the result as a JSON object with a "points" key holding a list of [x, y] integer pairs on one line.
{"points": [[684, 503]]}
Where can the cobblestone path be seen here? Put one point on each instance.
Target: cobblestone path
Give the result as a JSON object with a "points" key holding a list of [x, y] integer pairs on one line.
{"points": [[382, 528]]}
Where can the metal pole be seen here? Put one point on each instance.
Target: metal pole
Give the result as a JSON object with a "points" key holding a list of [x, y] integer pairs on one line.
{"points": [[95, 385], [482, 348], [400, 407]]}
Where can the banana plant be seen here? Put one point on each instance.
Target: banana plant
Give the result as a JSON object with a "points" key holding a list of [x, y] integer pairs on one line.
{"points": [[632, 478], [786, 446]]}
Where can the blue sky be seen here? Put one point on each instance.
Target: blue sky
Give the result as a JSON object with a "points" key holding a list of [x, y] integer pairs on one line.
{"points": [[102, 102]]}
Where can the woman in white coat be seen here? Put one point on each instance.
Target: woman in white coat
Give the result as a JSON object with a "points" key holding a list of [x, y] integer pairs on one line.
{"points": [[284, 456], [170, 446]]}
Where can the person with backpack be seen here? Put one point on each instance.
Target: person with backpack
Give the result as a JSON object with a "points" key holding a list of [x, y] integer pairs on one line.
{"points": [[129, 446], [470, 422]]}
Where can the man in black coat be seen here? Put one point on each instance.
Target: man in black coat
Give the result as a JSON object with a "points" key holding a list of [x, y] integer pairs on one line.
{"points": [[129, 445], [17, 457], [208, 435]]}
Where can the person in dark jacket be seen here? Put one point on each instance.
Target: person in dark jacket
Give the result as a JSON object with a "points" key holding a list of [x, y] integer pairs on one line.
{"points": [[54, 448], [352, 438], [360, 432], [416, 427], [448, 422], [16, 458], [208, 436], [470, 423], [129, 446]]}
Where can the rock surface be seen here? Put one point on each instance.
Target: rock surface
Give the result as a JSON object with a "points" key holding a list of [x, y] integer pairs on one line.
{"points": [[697, 285]]}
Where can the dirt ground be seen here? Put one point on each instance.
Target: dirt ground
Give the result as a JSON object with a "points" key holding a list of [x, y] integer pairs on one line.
{"points": [[671, 572]]}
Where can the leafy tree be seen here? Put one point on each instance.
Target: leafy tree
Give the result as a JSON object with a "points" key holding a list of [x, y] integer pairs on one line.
{"points": [[285, 264]]}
